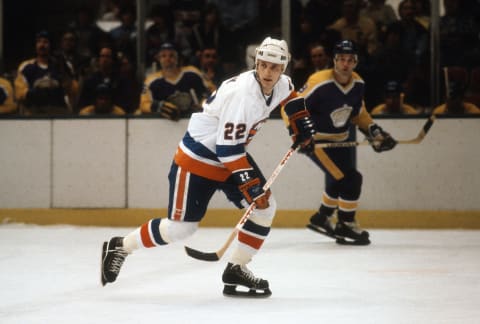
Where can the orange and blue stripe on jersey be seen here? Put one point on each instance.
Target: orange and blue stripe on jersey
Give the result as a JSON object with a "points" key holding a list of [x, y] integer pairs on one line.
{"points": [[196, 158], [233, 157]]}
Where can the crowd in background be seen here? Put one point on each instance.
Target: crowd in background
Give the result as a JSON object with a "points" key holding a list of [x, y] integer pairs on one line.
{"points": [[89, 70]]}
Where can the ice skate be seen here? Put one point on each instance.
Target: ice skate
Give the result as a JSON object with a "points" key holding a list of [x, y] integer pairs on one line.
{"points": [[349, 233], [238, 275], [322, 224], [113, 256]]}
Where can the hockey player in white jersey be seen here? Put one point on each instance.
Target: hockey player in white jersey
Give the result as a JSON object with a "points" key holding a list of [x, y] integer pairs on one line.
{"points": [[212, 156]]}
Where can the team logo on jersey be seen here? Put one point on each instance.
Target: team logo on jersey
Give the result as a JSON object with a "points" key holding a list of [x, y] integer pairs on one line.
{"points": [[340, 115]]}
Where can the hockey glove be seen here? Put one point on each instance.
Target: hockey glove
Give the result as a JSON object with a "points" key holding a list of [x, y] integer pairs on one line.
{"points": [[251, 188], [379, 139], [307, 149], [300, 124], [165, 109]]}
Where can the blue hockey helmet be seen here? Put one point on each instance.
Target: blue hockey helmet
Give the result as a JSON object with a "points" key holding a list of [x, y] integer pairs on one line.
{"points": [[345, 47]]}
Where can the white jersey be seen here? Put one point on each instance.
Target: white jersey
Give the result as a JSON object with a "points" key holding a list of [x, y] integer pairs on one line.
{"points": [[215, 142]]}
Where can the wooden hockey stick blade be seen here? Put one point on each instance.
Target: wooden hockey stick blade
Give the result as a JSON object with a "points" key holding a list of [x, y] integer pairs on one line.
{"points": [[212, 256], [205, 256]]}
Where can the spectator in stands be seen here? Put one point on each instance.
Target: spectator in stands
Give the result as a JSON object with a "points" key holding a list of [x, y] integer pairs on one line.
{"points": [[161, 31], [89, 36], [127, 73], [175, 91], [415, 36], [393, 104], [360, 29], [73, 65], [319, 59], [270, 12], [391, 62], [40, 87], [208, 32], [422, 12], [209, 65], [107, 71], [381, 13], [459, 36], [8, 106], [124, 36], [323, 12], [455, 102], [187, 13], [71, 61], [109, 10], [305, 36], [103, 103], [239, 20]]}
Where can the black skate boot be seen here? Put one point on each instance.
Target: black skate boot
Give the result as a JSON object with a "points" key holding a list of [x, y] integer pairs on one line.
{"points": [[349, 233], [113, 256], [322, 224], [238, 275]]}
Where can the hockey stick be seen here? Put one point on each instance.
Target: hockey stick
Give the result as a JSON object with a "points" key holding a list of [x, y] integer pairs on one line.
{"points": [[215, 256], [423, 132]]}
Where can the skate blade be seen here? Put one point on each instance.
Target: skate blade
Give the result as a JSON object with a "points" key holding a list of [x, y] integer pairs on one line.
{"points": [[104, 252], [343, 241], [320, 231], [231, 291]]}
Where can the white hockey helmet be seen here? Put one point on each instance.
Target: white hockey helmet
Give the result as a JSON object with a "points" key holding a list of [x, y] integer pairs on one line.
{"points": [[273, 51]]}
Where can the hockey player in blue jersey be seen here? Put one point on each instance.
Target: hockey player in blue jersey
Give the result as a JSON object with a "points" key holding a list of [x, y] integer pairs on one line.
{"points": [[334, 98]]}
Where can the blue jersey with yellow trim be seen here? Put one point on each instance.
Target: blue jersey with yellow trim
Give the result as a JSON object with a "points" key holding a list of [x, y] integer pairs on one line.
{"points": [[159, 88], [334, 107]]}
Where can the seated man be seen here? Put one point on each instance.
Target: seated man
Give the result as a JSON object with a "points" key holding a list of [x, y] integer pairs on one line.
{"points": [[174, 91], [455, 102], [7, 104], [103, 103], [40, 85], [393, 102]]}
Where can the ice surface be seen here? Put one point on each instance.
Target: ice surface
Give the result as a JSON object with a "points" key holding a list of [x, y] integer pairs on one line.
{"points": [[50, 274]]}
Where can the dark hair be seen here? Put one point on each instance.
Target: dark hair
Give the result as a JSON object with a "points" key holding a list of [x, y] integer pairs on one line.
{"points": [[42, 34]]}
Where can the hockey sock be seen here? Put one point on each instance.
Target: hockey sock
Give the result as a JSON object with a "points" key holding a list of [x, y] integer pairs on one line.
{"points": [[327, 211], [253, 233], [329, 204], [345, 216], [158, 232], [346, 210]]}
